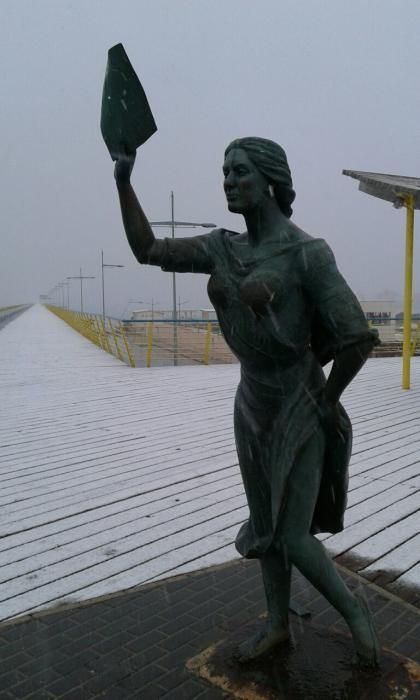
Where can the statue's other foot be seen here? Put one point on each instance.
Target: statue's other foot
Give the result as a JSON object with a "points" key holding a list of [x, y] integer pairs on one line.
{"points": [[364, 636], [269, 636]]}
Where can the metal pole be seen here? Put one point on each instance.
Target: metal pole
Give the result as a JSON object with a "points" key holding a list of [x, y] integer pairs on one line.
{"points": [[103, 286], [81, 278], [408, 288], [174, 286], [172, 224], [173, 274], [104, 265], [81, 291]]}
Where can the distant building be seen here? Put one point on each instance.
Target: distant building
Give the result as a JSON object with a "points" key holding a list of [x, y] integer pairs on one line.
{"points": [[379, 312], [167, 315], [208, 314]]}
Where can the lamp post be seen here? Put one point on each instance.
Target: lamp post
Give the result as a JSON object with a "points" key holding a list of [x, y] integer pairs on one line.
{"points": [[67, 285], [60, 295], [55, 294], [81, 277], [50, 295], [103, 281], [181, 303], [172, 224]]}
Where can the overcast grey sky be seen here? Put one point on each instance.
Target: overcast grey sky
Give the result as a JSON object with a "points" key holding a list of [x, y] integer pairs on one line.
{"points": [[335, 82]]}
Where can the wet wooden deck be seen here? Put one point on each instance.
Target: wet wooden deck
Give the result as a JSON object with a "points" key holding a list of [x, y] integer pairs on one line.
{"points": [[113, 477]]}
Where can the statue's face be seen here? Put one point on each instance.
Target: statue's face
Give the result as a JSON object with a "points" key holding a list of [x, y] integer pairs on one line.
{"points": [[244, 186]]}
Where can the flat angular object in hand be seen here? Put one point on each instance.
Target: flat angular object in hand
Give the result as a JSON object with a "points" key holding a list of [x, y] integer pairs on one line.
{"points": [[126, 119]]}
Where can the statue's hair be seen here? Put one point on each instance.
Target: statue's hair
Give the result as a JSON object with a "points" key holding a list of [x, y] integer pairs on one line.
{"points": [[271, 161]]}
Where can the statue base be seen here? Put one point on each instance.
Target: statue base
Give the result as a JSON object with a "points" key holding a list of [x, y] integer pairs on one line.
{"points": [[316, 665]]}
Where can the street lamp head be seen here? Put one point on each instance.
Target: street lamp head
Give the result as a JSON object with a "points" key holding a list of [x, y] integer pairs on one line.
{"points": [[182, 224]]}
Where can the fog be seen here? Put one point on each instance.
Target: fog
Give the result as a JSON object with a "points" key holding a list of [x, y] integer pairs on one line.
{"points": [[334, 82]]}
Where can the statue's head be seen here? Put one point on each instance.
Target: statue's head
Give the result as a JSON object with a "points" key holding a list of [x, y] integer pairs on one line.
{"points": [[255, 169]]}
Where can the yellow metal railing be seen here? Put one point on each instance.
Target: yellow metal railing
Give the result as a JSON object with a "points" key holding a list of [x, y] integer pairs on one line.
{"points": [[158, 343], [143, 344], [108, 334], [164, 342]]}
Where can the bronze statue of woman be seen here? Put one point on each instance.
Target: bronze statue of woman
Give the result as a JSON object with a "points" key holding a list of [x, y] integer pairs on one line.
{"points": [[284, 310]]}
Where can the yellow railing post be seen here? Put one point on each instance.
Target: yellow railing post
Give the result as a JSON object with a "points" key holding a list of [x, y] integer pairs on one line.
{"points": [[98, 333], [127, 346], [207, 340], [408, 288], [94, 331], [86, 329], [111, 327], [105, 336], [91, 329], [149, 344]]}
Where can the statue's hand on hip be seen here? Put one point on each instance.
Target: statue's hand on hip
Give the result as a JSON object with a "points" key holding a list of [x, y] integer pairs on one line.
{"points": [[330, 415]]}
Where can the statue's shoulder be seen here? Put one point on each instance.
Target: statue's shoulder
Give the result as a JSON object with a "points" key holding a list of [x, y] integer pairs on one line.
{"points": [[315, 258], [233, 234], [316, 250], [305, 244], [224, 233], [224, 237], [298, 234]]}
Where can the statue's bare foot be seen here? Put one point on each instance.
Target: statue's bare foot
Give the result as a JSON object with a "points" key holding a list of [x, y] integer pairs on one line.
{"points": [[266, 638], [364, 636]]}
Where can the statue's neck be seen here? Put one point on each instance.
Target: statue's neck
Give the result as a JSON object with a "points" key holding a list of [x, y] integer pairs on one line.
{"points": [[265, 221]]}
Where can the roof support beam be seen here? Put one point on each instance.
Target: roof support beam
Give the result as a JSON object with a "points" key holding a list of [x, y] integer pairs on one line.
{"points": [[408, 288]]}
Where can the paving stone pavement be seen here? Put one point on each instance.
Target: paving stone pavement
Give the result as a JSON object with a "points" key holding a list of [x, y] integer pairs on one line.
{"points": [[135, 645]]}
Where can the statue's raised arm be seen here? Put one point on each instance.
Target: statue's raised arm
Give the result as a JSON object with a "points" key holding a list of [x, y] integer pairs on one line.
{"points": [[137, 228], [126, 123]]}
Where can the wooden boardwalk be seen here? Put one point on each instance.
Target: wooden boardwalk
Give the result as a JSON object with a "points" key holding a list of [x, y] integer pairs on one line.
{"points": [[113, 477]]}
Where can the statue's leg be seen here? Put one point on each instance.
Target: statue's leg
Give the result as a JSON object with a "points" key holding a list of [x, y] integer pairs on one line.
{"points": [[309, 555], [276, 573]]}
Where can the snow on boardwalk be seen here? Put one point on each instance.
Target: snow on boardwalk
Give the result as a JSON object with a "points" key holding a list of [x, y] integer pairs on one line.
{"points": [[113, 477]]}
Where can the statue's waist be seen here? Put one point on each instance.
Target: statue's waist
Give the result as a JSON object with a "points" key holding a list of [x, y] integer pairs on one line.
{"points": [[272, 363]]}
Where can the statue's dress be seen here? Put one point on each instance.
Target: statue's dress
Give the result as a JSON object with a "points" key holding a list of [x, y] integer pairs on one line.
{"points": [[284, 310]]}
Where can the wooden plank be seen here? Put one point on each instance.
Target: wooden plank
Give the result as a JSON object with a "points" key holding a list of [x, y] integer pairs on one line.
{"points": [[104, 552], [370, 525], [80, 529], [408, 580], [395, 549], [115, 476]]}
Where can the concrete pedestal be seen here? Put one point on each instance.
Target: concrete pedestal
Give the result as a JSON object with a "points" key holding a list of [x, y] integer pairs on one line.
{"points": [[316, 665]]}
